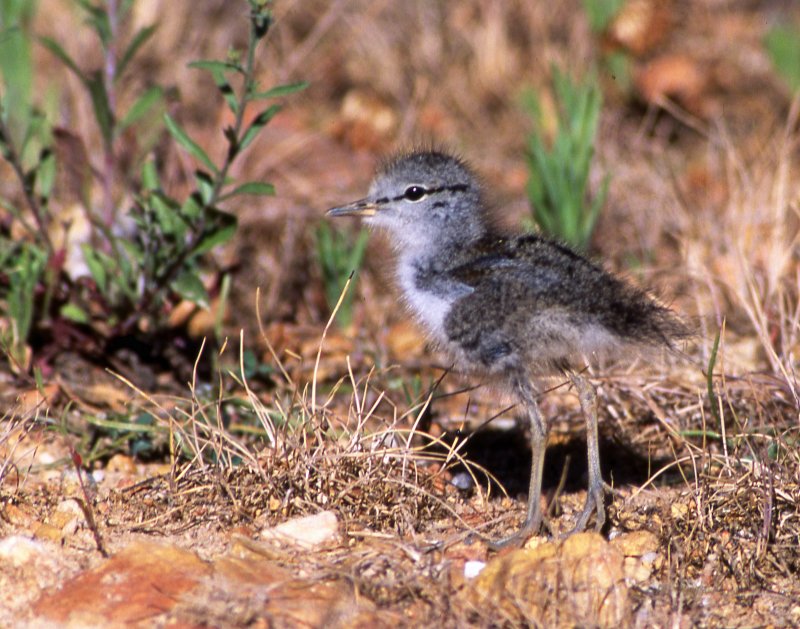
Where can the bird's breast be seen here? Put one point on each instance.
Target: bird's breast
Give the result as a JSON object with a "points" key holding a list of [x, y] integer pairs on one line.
{"points": [[428, 296]]}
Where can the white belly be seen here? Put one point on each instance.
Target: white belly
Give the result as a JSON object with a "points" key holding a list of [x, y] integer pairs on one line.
{"points": [[429, 308]]}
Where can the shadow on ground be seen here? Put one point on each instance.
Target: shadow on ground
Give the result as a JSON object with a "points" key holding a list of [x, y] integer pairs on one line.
{"points": [[506, 456]]}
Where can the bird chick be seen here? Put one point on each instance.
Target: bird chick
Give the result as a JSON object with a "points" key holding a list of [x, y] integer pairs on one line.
{"points": [[512, 308]]}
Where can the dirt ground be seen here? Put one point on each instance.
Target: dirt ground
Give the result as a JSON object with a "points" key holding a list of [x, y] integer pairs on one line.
{"points": [[307, 474]]}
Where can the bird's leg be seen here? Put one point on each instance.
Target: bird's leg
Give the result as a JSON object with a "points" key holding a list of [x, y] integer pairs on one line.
{"points": [[533, 519], [595, 495]]}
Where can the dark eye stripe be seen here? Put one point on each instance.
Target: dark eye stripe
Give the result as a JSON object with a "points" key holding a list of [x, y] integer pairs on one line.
{"points": [[458, 187]]}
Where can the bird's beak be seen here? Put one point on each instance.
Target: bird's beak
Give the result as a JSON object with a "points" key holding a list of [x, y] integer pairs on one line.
{"points": [[363, 207]]}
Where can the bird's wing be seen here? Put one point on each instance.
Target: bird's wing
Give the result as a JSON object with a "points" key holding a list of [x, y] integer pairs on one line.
{"points": [[493, 269], [507, 292]]}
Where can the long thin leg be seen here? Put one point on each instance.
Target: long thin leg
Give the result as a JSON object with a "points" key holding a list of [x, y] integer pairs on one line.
{"points": [[595, 494], [539, 430]]}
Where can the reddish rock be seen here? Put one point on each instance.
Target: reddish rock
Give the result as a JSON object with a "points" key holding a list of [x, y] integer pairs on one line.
{"points": [[138, 585]]}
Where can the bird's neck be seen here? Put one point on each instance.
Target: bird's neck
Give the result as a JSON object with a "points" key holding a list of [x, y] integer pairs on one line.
{"points": [[426, 271], [424, 259], [428, 243], [427, 288]]}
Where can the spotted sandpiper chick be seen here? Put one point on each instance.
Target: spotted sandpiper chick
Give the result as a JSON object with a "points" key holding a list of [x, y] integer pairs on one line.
{"points": [[511, 308]]}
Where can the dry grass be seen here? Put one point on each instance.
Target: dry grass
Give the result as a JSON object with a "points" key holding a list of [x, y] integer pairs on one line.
{"points": [[378, 474]]}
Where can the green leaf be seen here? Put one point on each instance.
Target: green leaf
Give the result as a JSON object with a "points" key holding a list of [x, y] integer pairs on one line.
{"points": [[205, 185], [98, 20], [257, 188], [339, 256], [226, 90], [559, 174], [223, 232], [46, 177], [191, 209], [783, 45], [102, 108], [279, 90], [124, 264], [150, 179], [188, 144], [358, 250], [27, 271], [218, 70], [16, 67], [601, 12], [189, 286], [140, 107], [99, 267], [142, 35], [620, 67], [75, 313], [133, 250], [222, 66], [168, 215], [54, 47], [255, 127]]}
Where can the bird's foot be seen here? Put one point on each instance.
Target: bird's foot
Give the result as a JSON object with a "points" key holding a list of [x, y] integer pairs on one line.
{"points": [[594, 504], [528, 529]]}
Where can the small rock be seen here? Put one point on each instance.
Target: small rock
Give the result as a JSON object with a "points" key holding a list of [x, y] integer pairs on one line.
{"points": [[121, 463], [473, 568], [641, 25], [640, 549], [307, 532], [67, 517], [20, 551], [636, 543], [73, 483], [16, 516], [49, 533], [593, 569], [678, 510], [462, 481], [579, 582]]}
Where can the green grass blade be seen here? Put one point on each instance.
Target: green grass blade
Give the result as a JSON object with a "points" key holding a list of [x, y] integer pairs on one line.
{"points": [[194, 149]]}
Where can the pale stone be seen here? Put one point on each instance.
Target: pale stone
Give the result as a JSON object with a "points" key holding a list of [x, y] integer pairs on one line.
{"points": [[306, 532]]}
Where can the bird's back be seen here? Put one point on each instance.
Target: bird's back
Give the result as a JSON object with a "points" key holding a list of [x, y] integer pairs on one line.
{"points": [[535, 303]]}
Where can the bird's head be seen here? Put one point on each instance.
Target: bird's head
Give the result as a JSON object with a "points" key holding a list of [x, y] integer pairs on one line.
{"points": [[422, 199]]}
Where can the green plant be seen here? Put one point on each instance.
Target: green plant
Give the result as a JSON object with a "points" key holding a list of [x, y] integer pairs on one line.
{"points": [[601, 12], [618, 65], [139, 272], [27, 266], [614, 61], [105, 19], [783, 46], [559, 170], [339, 257], [24, 277], [16, 64]]}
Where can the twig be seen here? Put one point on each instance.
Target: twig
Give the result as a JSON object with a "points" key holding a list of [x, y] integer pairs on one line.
{"points": [[322, 341], [86, 504], [110, 77]]}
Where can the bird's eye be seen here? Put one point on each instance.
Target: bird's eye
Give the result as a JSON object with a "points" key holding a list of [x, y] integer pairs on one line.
{"points": [[414, 193]]}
